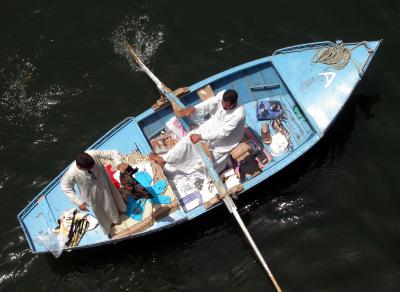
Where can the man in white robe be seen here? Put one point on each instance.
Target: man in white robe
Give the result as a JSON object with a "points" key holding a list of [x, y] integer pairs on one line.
{"points": [[95, 187], [222, 132]]}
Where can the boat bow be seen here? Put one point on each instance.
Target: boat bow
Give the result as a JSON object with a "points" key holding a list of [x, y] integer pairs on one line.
{"points": [[320, 89]]}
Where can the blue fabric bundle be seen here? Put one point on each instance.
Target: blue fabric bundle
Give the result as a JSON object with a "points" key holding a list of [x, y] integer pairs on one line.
{"points": [[135, 208], [269, 109]]}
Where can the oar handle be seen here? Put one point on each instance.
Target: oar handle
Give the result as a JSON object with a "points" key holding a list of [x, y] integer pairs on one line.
{"points": [[228, 200]]}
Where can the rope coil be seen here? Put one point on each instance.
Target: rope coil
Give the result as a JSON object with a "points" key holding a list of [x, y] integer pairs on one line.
{"points": [[337, 56]]}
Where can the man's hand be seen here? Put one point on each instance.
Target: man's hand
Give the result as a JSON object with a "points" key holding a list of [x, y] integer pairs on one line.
{"points": [[83, 207], [122, 167], [187, 111], [195, 138]]}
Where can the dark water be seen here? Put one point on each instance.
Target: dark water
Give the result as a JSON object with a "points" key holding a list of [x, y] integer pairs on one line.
{"points": [[330, 222]]}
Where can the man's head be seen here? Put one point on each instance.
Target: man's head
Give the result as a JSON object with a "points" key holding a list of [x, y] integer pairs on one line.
{"points": [[84, 161], [229, 99]]}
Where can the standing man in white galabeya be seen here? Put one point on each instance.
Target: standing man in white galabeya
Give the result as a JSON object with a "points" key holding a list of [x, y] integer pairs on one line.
{"points": [[95, 187]]}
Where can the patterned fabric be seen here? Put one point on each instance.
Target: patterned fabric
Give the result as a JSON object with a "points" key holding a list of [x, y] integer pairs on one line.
{"points": [[269, 110], [130, 187], [136, 207]]}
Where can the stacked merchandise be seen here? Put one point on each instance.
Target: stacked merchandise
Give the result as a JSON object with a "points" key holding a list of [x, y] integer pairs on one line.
{"points": [[156, 201], [273, 111], [163, 142], [187, 193], [168, 137]]}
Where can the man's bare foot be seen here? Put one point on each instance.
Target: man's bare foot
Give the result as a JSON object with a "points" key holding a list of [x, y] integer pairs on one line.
{"points": [[157, 159]]}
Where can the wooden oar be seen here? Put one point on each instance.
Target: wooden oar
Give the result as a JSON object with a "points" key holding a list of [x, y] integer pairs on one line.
{"points": [[217, 181]]}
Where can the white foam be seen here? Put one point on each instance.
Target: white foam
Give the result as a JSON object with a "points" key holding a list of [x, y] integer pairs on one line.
{"points": [[145, 36]]}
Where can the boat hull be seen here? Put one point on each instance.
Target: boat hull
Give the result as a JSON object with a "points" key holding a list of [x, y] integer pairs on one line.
{"points": [[318, 90]]}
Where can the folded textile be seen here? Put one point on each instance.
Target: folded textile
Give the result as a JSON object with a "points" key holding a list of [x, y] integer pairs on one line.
{"points": [[161, 200], [269, 110], [111, 173], [135, 208], [130, 186], [145, 180], [279, 144]]}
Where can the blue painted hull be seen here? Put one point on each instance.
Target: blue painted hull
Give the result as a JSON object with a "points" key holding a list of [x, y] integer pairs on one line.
{"points": [[289, 76]]}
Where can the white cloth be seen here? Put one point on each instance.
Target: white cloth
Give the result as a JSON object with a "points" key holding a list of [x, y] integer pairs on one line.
{"points": [[100, 193], [222, 132], [174, 125], [278, 144]]}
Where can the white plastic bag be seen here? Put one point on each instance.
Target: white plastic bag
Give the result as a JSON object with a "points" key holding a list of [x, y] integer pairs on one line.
{"points": [[54, 242], [175, 126]]}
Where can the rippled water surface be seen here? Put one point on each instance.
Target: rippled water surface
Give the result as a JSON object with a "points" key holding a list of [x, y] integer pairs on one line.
{"points": [[329, 222]]}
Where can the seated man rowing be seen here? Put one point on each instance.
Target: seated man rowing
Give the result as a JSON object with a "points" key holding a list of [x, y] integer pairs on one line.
{"points": [[221, 132]]}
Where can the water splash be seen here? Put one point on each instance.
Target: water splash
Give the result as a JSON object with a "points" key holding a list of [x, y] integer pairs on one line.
{"points": [[24, 108], [14, 97], [17, 103], [142, 34]]}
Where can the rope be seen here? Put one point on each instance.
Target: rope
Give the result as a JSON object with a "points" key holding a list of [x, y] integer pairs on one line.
{"points": [[337, 56]]}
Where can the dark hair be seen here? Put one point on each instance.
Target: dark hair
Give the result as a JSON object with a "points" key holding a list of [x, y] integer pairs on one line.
{"points": [[230, 96], [84, 160], [131, 170]]}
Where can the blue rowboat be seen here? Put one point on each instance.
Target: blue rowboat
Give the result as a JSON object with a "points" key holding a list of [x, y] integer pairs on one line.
{"points": [[311, 91]]}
